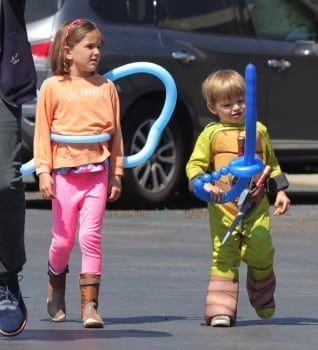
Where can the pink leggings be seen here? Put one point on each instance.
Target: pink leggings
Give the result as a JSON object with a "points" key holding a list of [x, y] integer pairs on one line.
{"points": [[78, 197]]}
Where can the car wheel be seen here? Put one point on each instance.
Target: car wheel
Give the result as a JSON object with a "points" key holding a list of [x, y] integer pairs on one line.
{"points": [[153, 183]]}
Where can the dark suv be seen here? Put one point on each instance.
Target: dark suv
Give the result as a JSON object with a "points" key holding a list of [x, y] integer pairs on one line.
{"points": [[191, 39]]}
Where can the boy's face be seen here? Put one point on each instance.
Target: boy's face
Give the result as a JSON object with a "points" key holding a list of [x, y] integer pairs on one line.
{"points": [[230, 111]]}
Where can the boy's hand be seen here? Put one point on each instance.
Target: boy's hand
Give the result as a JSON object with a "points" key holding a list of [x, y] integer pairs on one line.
{"points": [[217, 195], [256, 194], [282, 203]]}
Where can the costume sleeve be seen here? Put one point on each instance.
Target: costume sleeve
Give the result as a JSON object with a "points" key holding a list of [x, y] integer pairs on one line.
{"points": [[116, 147], [200, 159], [278, 180], [269, 154], [42, 132]]}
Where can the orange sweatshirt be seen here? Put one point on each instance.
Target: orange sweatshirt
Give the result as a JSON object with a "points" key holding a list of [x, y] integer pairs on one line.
{"points": [[77, 106]]}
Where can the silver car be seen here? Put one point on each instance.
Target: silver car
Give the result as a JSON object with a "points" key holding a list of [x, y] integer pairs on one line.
{"points": [[191, 39]]}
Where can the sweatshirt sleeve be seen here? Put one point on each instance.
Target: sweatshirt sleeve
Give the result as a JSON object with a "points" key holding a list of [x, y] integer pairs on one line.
{"points": [[269, 154], [116, 147], [43, 120]]}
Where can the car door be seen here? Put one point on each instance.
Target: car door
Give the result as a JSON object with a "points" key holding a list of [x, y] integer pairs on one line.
{"points": [[204, 36], [277, 36], [287, 32]]}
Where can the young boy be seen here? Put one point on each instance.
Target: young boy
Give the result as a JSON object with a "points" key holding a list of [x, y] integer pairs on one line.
{"points": [[250, 241]]}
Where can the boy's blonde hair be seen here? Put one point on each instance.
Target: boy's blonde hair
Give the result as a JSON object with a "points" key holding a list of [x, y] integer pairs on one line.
{"points": [[68, 35], [223, 85]]}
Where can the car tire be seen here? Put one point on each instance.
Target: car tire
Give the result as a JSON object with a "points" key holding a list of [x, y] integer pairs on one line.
{"points": [[154, 183]]}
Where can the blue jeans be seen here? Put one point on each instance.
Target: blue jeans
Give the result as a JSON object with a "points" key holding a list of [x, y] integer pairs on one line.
{"points": [[12, 198]]}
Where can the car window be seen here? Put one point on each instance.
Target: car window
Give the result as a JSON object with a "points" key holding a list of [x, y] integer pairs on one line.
{"points": [[200, 15], [282, 20], [35, 11], [124, 11]]}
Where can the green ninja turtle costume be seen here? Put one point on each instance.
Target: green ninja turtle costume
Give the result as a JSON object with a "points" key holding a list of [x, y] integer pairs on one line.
{"points": [[250, 241]]}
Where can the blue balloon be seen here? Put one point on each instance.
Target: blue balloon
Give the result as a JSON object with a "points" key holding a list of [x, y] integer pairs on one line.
{"points": [[156, 129], [242, 167], [167, 110], [80, 139], [27, 168]]}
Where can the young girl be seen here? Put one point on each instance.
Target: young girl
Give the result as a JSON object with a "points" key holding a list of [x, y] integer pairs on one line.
{"points": [[250, 241], [77, 177]]}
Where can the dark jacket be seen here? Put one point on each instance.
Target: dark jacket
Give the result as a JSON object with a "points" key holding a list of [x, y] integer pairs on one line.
{"points": [[17, 71]]}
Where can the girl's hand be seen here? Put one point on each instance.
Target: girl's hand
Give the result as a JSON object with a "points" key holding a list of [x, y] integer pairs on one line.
{"points": [[282, 203], [217, 195], [46, 185], [114, 188]]}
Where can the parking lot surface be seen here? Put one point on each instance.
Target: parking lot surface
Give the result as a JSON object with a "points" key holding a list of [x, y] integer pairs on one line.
{"points": [[155, 273]]}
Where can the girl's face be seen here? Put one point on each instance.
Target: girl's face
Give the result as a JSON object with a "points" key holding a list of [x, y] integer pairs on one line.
{"points": [[85, 55], [231, 111]]}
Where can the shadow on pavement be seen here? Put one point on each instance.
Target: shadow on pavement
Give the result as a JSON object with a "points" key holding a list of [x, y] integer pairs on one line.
{"points": [[65, 335], [286, 321], [305, 197]]}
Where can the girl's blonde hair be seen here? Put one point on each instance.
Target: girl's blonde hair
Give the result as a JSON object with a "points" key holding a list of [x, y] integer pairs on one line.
{"points": [[223, 85], [68, 35]]}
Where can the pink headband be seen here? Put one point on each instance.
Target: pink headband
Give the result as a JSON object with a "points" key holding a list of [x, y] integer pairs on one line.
{"points": [[71, 26]]}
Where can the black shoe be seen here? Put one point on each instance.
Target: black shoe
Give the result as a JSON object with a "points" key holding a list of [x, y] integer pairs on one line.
{"points": [[13, 313]]}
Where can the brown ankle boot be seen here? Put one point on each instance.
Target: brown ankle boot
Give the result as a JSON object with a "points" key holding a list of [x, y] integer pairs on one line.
{"points": [[56, 297], [89, 285]]}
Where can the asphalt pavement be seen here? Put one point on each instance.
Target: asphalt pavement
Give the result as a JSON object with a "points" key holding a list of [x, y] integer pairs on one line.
{"points": [[155, 274], [306, 184], [303, 182]]}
